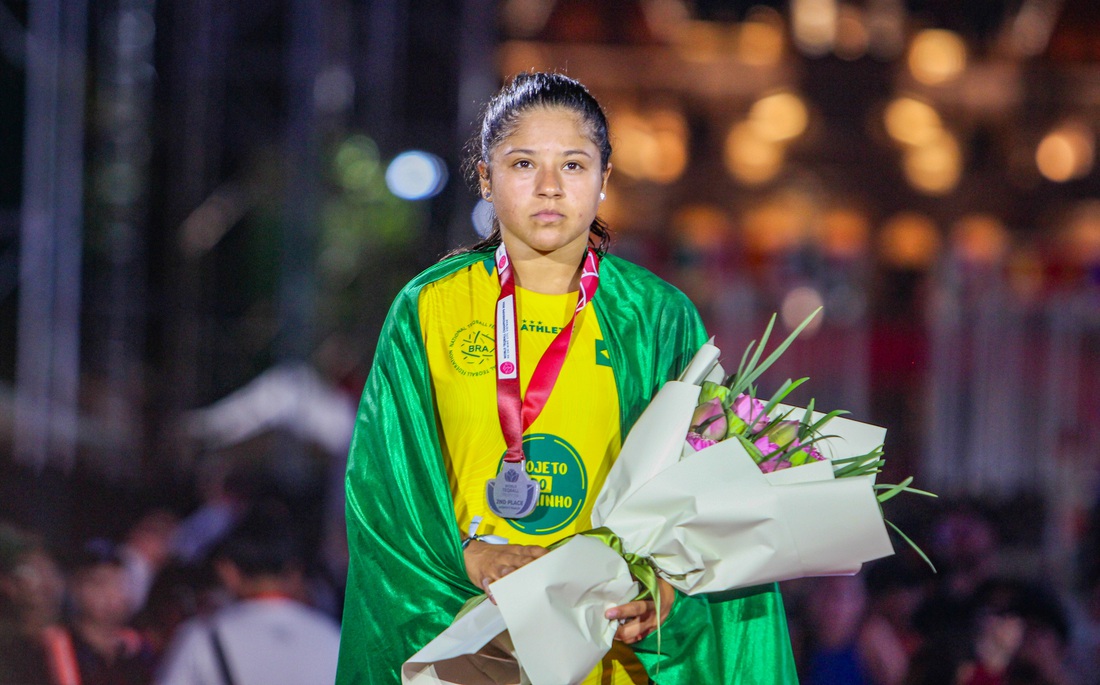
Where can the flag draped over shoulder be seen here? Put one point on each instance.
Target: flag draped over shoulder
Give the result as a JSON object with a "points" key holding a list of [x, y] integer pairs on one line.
{"points": [[407, 578]]}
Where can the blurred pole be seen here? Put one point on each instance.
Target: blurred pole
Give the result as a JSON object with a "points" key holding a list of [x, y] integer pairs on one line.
{"points": [[478, 80], [384, 68], [196, 82], [298, 298], [48, 338], [124, 93], [297, 282]]}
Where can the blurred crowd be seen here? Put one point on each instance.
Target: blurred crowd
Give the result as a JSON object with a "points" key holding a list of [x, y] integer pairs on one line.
{"points": [[225, 596], [237, 593], [971, 623]]}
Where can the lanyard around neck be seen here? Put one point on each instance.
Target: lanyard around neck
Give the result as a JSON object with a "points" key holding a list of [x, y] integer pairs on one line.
{"points": [[516, 414]]}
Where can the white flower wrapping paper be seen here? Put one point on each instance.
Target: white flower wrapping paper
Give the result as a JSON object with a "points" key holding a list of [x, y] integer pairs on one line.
{"points": [[710, 520]]}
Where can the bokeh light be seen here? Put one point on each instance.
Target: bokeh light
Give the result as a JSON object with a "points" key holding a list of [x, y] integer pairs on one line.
{"points": [[980, 239], [750, 158], [937, 56], [1081, 237], [416, 175], [814, 24], [356, 163], [909, 241], [525, 18], [934, 168], [482, 218], [1067, 152], [886, 21], [797, 305], [912, 122], [702, 227], [700, 41], [852, 37], [844, 233], [652, 146], [760, 39], [778, 225], [779, 117]]}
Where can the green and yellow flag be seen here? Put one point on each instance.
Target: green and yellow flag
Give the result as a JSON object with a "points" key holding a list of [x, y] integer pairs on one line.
{"points": [[407, 579]]}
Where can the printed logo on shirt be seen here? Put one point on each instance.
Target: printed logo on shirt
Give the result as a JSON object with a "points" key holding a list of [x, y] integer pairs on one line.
{"points": [[532, 326], [472, 349], [563, 480]]}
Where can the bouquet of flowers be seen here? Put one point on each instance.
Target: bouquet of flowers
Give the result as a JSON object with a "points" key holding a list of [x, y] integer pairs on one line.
{"points": [[732, 410], [711, 493]]}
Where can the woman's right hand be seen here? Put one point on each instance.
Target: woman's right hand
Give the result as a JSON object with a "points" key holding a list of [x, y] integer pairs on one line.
{"points": [[486, 563]]}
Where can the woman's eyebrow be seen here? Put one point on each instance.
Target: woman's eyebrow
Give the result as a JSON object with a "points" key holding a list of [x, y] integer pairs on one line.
{"points": [[525, 151]]}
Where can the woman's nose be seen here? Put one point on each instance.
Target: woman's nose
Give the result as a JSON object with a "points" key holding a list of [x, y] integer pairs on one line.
{"points": [[548, 183]]}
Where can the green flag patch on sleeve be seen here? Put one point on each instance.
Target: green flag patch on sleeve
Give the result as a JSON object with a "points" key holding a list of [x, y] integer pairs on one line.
{"points": [[603, 357]]}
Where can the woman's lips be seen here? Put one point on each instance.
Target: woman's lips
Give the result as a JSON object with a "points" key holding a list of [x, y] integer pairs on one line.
{"points": [[549, 215]]}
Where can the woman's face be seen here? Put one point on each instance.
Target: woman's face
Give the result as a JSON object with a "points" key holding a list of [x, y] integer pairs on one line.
{"points": [[545, 182]]}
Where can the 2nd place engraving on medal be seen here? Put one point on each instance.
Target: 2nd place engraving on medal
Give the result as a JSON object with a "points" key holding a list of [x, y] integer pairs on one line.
{"points": [[512, 494]]}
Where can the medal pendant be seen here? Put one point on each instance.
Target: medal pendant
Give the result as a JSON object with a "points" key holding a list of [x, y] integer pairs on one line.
{"points": [[512, 494]]}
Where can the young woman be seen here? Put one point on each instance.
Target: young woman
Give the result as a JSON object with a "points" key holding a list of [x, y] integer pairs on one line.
{"points": [[505, 379]]}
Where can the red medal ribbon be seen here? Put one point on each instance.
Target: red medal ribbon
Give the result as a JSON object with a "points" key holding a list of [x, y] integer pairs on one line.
{"points": [[516, 414]]}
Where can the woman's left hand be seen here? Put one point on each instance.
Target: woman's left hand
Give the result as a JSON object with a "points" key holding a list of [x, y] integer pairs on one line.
{"points": [[639, 618]]}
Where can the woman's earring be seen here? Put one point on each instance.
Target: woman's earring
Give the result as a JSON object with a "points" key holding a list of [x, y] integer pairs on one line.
{"points": [[487, 194], [603, 196]]}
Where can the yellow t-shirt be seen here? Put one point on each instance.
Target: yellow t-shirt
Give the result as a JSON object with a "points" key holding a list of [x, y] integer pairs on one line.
{"points": [[570, 446]]}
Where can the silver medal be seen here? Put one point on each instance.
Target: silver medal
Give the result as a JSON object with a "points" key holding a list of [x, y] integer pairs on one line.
{"points": [[512, 494]]}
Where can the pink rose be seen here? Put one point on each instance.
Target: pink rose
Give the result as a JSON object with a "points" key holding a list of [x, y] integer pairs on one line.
{"points": [[776, 463], [709, 420], [766, 446], [804, 455], [751, 411], [698, 442]]}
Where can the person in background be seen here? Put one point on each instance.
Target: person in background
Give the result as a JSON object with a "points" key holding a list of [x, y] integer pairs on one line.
{"points": [[1013, 632], [226, 489], [34, 648], [179, 593], [144, 552], [1039, 631], [896, 588], [847, 644], [108, 651], [268, 636]]}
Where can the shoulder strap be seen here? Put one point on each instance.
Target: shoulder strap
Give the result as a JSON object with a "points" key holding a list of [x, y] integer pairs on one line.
{"points": [[219, 653]]}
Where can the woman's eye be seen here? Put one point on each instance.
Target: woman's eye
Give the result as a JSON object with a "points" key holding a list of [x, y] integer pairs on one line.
{"points": [[522, 164], [573, 166]]}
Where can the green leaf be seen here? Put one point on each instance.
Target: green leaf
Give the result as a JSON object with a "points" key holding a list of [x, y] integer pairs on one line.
{"points": [[809, 441], [860, 461], [915, 491], [755, 452], [760, 348], [784, 390], [744, 358], [912, 544], [892, 490], [754, 371], [805, 422], [826, 419], [862, 468]]}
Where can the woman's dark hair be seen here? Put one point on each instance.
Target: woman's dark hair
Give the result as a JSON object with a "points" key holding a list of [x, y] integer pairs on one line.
{"points": [[528, 91]]}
